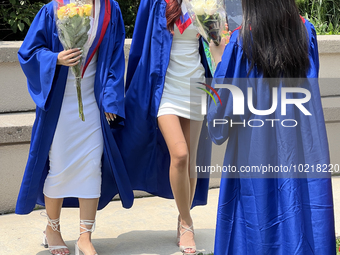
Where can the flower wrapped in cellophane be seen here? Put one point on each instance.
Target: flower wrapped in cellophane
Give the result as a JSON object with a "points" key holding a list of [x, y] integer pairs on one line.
{"points": [[209, 17], [73, 21]]}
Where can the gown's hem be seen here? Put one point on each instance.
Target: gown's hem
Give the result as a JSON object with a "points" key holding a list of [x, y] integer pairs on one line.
{"points": [[74, 196], [186, 116]]}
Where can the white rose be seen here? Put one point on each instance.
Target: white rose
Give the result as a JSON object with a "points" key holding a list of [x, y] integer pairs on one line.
{"points": [[210, 7], [198, 7]]}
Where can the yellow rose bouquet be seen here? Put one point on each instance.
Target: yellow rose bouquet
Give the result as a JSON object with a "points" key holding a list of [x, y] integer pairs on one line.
{"points": [[73, 23]]}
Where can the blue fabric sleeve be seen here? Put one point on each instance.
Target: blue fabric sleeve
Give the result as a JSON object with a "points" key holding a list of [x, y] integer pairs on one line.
{"points": [[113, 100], [138, 39], [225, 69], [313, 50], [38, 62]]}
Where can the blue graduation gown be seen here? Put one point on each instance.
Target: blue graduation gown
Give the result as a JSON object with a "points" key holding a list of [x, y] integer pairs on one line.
{"points": [[278, 216], [143, 147], [46, 84]]}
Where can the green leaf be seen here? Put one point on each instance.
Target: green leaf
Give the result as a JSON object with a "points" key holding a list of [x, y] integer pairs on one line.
{"points": [[21, 26], [13, 2], [14, 27], [28, 22], [330, 27]]}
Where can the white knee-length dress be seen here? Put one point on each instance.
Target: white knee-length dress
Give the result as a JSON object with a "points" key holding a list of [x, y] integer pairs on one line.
{"points": [[180, 96], [77, 147]]}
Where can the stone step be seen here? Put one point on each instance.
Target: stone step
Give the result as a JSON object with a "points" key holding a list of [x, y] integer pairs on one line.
{"points": [[16, 127]]}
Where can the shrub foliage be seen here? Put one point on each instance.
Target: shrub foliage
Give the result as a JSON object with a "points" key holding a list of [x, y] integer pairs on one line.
{"points": [[324, 14], [129, 10], [17, 15]]}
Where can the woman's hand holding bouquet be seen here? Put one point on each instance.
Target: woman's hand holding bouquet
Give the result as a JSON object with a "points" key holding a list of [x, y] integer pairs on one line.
{"points": [[73, 23]]}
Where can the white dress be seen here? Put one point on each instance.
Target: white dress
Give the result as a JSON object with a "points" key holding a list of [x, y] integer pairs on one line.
{"points": [[180, 97], [77, 147]]}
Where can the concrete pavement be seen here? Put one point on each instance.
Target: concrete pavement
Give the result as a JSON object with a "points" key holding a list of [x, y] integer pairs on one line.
{"points": [[149, 227]]}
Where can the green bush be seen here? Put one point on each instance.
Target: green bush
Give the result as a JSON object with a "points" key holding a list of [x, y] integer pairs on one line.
{"points": [[16, 17], [129, 10], [324, 14]]}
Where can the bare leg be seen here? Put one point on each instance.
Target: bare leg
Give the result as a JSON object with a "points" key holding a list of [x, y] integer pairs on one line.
{"points": [[53, 209], [171, 129], [191, 130], [88, 210]]}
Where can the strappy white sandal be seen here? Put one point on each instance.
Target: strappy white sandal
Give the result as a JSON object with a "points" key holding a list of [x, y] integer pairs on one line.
{"points": [[178, 232], [184, 249], [91, 223], [54, 224]]}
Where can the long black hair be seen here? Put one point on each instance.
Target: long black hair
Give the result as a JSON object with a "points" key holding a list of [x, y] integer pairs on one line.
{"points": [[275, 38]]}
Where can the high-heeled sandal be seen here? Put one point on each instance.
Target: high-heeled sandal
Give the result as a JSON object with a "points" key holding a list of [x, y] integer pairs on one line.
{"points": [[91, 223], [54, 224], [184, 249]]}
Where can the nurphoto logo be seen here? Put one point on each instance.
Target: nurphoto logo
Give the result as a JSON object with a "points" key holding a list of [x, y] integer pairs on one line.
{"points": [[238, 104]]}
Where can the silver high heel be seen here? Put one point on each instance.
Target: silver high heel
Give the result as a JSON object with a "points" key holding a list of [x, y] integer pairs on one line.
{"points": [[54, 224], [184, 249], [91, 223]]}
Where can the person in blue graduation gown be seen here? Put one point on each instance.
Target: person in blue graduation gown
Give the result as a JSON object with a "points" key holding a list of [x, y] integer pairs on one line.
{"points": [[287, 213], [144, 150], [46, 66]]}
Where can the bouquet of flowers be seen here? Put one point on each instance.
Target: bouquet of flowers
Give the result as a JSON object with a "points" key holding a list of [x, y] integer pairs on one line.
{"points": [[73, 23], [209, 17]]}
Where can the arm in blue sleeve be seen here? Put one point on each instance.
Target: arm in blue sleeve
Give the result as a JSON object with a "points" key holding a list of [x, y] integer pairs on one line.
{"points": [[113, 101], [314, 51], [37, 60], [217, 113]]}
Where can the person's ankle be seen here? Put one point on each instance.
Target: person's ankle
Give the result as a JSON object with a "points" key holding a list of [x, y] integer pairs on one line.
{"points": [[85, 238], [85, 245], [186, 222], [50, 230]]}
